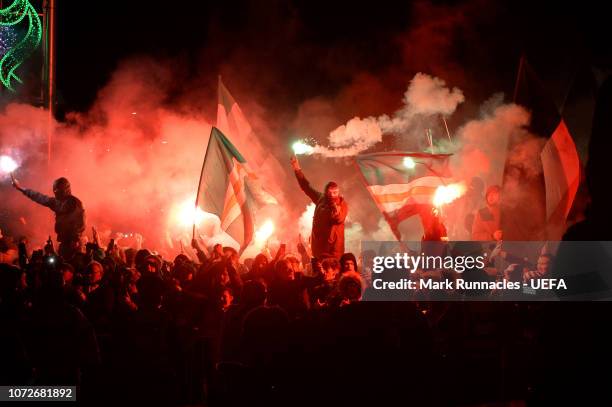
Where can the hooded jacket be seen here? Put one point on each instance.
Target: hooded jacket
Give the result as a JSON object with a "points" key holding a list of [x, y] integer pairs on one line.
{"points": [[328, 221], [69, 214]]}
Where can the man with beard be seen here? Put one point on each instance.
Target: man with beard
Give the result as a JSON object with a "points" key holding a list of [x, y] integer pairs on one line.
{"points": [[69, 214], [330, 212]]}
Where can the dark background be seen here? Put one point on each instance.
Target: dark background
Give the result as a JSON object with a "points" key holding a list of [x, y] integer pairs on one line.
{"points": [[312, 48]]}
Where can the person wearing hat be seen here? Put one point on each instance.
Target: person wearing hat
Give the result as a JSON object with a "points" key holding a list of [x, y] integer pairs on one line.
{"points": [[69, 214], [486, 226], [329, 215]]}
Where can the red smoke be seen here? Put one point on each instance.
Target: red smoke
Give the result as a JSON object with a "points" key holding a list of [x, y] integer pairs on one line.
{"points": [[138, 150]]}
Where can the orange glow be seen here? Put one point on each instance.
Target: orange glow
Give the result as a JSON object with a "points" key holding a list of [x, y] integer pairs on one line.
{"points": [[264, 232], [187, 215], [446, 194]]}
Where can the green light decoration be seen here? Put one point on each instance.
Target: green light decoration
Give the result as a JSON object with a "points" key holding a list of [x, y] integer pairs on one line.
{"points": [[14, 57]]}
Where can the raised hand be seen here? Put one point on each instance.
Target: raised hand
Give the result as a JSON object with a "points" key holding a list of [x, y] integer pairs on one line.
{"points": [[16, 183], [195, 244], [96, 238], [295, 163]]}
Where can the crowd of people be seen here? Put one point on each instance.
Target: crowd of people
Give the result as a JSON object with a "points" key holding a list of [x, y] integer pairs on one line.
{"points": [[125, 323], [128, 324]]}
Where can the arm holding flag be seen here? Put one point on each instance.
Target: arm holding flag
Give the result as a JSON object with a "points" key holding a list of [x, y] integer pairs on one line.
{"points": [[200, 252], [312, 193]]}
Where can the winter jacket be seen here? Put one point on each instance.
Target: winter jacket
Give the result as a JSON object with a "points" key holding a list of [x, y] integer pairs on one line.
{"points": [[69, 214], [328, 221]]}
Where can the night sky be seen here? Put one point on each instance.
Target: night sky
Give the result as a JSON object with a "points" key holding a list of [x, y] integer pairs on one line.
{"points": [[289, 51]]}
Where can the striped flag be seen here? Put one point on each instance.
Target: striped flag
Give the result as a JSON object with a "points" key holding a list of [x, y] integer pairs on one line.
{"points": [[233, 123], [403, 184], [561, 166], [224, 189], [551, 196]]}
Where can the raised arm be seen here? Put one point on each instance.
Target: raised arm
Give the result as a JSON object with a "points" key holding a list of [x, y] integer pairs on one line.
{"points": [[202, 253], [312, 193], [37, 197]]}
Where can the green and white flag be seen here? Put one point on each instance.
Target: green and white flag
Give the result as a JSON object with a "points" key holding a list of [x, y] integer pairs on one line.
{"points": [[224, 188]]}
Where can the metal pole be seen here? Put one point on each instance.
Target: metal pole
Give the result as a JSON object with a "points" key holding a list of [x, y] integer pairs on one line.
{"points": [[429, 137], [446, 127], [49, 13]]}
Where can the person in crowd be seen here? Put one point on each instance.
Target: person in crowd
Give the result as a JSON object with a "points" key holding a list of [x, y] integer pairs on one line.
{"points": [[69, 214], [153, 264], [289, 290], [348, 263], [328, 221], [321, 293], [486, 225], [522, 271], [350, 289], [94, 272], [261, 269], [433, 227], [254, 294]]}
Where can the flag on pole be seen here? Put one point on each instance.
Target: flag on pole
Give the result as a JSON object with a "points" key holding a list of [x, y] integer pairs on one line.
{"points": [[551, 195], [403, 184], [561, 173], [233, 123], [224, 190]]}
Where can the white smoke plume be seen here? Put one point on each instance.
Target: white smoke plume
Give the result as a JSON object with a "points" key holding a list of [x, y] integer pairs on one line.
{"points": [[425, 97], [429, 95], [351, 138], [481, 144], [305, 221]]}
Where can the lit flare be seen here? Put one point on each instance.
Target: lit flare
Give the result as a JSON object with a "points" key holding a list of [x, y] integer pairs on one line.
{"points": [[446, 194]]}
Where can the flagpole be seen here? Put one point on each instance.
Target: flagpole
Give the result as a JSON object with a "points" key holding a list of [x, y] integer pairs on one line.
{"points": [[446, 127], [195, 209], [430, 139], [520, 69]]}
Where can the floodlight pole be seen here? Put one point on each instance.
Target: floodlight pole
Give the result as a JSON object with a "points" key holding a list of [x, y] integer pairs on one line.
{"points": [[49, 69]]}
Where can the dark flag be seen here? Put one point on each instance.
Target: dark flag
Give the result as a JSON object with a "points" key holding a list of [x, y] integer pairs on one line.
{"points": [[536, 204], [579, 107]]}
